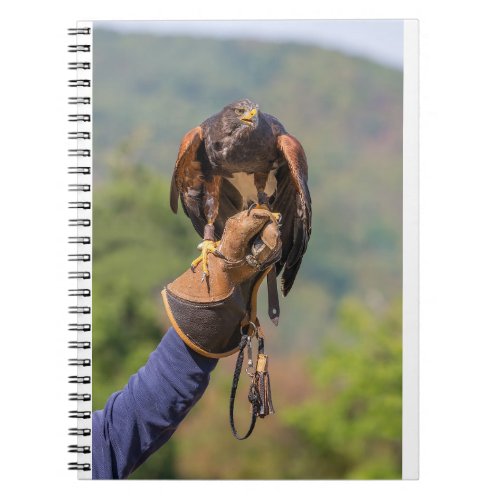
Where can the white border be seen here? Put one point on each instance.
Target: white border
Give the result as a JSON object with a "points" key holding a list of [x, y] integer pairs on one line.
{"points": [[410, 255]]}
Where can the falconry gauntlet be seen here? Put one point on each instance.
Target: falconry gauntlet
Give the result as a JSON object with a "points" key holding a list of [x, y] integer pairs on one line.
{"points": [[208, 314]]}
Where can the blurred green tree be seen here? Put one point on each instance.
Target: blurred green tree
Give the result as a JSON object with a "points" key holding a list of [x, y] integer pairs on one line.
{"points": [[352, 419]]}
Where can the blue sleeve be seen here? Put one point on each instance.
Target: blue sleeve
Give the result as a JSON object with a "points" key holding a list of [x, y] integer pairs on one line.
{"points": [[142, 417]]}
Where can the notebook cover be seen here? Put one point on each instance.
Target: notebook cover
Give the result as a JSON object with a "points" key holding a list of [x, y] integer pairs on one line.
{"points": [[343, 360]]}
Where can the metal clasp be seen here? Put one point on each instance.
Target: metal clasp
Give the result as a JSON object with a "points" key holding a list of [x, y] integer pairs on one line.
{"points": [[250, 371]]}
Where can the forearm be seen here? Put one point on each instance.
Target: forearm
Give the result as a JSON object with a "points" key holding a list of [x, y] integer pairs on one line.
{"points": [[143, 416]]}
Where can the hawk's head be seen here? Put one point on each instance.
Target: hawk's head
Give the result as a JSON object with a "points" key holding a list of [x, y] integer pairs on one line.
{"points": [[242, 113]]}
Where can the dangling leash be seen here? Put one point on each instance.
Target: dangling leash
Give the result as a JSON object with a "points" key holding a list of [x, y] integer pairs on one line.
{"points": [[259, 394]]}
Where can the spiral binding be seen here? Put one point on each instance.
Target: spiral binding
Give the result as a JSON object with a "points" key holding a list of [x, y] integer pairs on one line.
{"points": [[80, 254]]}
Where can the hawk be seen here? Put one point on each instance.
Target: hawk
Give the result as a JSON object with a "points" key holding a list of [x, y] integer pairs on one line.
{"points": [[237, 159]]}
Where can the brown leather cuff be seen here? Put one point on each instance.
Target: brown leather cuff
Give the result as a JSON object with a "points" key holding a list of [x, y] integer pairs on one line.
{"points": [[212, 329]]}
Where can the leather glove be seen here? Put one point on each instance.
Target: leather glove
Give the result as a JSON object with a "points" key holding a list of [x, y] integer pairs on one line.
{"points": [[208, 315]]}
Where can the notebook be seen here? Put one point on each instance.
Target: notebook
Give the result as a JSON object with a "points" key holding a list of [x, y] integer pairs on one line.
{"points": [[343, 358]]}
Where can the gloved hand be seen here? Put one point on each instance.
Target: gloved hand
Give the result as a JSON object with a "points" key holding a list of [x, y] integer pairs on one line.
{"points": [[208, 315]]}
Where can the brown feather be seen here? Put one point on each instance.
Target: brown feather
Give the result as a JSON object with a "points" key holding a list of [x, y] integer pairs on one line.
{"points": [[187, 171], [296, 209], [174, 196]]}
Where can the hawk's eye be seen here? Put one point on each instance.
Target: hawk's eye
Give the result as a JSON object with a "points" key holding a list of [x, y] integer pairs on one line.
{"points": [[239, 111]]}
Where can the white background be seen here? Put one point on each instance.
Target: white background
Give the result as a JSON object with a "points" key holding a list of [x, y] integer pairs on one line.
{"points": [[460, 249]]}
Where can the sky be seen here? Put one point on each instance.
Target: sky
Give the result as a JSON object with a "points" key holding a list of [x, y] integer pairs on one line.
{"points": [[378, 40]]}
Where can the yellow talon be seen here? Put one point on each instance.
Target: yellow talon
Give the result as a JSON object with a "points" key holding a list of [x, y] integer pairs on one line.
{"points": [[277, 216], [196, 262], [206, 247]]}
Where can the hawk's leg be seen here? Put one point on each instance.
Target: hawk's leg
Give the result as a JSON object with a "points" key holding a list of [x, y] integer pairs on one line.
{"points": [[260, 181], [211, 209], [206, 247]]}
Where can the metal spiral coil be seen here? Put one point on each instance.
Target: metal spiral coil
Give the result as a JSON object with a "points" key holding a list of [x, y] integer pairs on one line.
{"points": [[85, 188], [77, 431], [78, 31], [78, 65], [76, 396], [85, 275], [74, 344], [78, 48], [79, 292], [85, 415], [79, 135], [78, 257], [73, 379], [79, 170], [78, 466], [79, 83], [79, 152], [79, 118], [79, 327], [73, 448], [79, 362], [79, 222], [84, 205], [79, 100], [79, 240], [79, 310]]}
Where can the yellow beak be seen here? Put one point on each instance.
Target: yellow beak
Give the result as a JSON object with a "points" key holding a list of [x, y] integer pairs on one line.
{"points": [[249, 116]]}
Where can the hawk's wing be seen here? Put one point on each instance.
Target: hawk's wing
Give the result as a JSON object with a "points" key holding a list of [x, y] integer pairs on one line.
{"points": [[187, 179], [191, 170], [293, 201]]}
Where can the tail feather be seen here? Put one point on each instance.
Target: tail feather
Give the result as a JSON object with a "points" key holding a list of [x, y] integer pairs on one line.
{"points": [[288, 277]]}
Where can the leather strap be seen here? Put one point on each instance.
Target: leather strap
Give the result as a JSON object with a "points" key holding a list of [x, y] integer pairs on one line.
{"points": [[273, 302], [259, 393], [236, 377]]}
